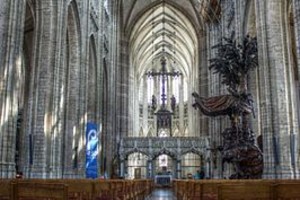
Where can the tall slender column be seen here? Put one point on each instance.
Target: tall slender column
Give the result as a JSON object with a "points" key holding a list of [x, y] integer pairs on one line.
{"points": [[122, 168], [149, 169], [178, 168], [145, 107], [12, 13], [273, 75], [181, 106]]}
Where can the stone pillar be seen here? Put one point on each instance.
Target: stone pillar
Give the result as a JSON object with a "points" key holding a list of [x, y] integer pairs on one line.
{"points": [[213, 38], [207, 168], [11, 35], [203, 77], [145, 106], [153, 168], [178, 168], [181, 106], [122, 168], [274, 92], [296, 11], [149, 169]]}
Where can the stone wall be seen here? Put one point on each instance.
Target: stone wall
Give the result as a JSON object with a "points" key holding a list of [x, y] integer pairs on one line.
{"points": [[52, 141]]}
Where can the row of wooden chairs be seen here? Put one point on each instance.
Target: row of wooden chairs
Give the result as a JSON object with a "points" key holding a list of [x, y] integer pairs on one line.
{"points": [[237, 189], [74, 189]]}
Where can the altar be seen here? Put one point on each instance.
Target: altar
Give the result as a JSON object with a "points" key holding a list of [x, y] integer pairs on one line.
{"points": [[163, 180]]}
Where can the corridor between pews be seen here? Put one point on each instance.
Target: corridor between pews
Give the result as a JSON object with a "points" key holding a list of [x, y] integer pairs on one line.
{"points": [[162, 194]]}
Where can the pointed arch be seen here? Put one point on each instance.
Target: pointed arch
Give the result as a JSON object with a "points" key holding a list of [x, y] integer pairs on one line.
{"points": [[250, 19], [25, 78], [165, 151], [92, 81], [71, 84], [163, 30], [104, 113], [249, 28]]}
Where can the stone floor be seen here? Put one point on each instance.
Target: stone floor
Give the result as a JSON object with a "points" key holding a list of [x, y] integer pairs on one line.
{"points": [[162, 194]]}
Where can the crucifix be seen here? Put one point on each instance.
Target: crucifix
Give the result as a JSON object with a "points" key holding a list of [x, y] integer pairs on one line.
{"points": [[164, 116]]}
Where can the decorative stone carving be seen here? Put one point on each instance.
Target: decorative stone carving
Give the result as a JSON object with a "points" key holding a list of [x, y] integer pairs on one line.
{"points": [[94, 19], [172, 146]]}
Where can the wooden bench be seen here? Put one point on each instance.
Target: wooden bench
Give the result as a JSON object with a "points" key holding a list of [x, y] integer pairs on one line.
{"points": [[287, 190], [245, 191], [5, 189], [28, 190], [103, 190], [75, 189]]}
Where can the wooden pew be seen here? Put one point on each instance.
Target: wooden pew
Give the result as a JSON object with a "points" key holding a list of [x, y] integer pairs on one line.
{"points": [[79, 189], [103, 190], [5, 189], [82, 189], [118, 187], [287, 190], [245, 191], [129, 194], [28, 190], [209, 191], [194, 190]]}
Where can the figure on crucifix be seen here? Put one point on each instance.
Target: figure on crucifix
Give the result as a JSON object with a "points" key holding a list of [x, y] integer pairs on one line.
{"points": [[164, 116]]}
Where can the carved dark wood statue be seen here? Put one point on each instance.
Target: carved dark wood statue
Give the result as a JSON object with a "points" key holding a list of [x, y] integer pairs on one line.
{"points": [[233, 62]]}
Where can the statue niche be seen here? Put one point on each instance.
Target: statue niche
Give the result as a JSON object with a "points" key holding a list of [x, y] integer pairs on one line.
{"points": [[233, 62]]}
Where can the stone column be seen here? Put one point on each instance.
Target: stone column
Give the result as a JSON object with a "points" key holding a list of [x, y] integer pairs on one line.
{"points": [[149, 169], [145, 106], [11, 35], [213, 38], [153, 168], [178, 168], [181, 106], [203, 76], [296, 11], [122, 168], [273, 78]]}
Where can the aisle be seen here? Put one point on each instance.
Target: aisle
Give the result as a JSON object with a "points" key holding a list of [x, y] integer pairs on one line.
{"points": [[162, 194]]}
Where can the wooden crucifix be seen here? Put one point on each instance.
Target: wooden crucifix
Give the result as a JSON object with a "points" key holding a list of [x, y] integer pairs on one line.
{"points": [[164, 116]]}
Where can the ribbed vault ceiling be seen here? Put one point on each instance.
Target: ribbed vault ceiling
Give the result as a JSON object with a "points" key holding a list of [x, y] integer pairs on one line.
{"points": [[163, 31]]}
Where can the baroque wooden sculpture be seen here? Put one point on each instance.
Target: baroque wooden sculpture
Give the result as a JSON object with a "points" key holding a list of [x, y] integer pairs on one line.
{"points": [[234, 62]]}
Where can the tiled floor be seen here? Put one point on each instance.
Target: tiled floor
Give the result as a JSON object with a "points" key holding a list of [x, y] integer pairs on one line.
{"points": [[162, 194]]}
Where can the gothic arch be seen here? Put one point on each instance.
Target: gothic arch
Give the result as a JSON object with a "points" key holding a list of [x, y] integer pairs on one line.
{"points": [[72, 86], [92, 81], [165, 151], [104, 112], [25, 78], [192, 150], [249, 25], [128, 153], [249, 28], [129, 26], [162, 30]]}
